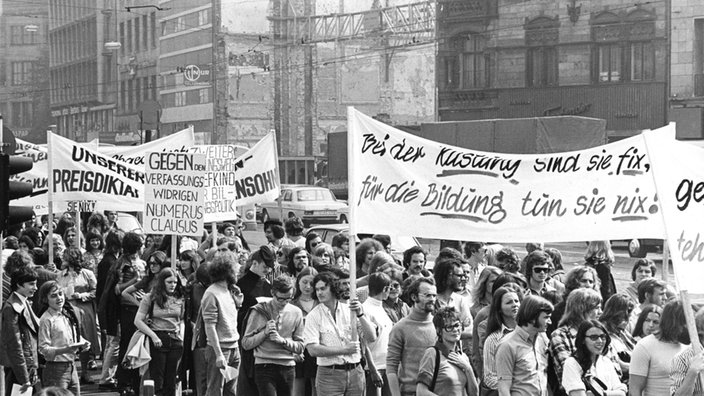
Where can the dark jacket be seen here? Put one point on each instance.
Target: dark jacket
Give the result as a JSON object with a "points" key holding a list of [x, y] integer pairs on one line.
{"points": [[18, 349]]}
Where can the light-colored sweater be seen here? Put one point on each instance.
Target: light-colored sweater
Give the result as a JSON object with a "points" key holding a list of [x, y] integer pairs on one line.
{"points": [[289, 323], [409, 339], [219, 310]]}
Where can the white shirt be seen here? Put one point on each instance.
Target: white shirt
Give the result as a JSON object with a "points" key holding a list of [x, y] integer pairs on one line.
{"points": [[375, 312], [321, 328]]}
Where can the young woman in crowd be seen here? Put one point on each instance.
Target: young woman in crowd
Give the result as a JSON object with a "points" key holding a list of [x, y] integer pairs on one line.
{"points": [[155, 263], [312, 241], [188, 262], [326, 255], [481, 295], [589, 365], [79, 285], [70, 237], [600, 257], [642, 269], [160, 317], [365, 252], [648, 322], [582, 304], [652, 356], [502, 320], [94, 251], [59, 339], [394, 306], [304, 383], [578, 277], [615, 319], [455, 374]]}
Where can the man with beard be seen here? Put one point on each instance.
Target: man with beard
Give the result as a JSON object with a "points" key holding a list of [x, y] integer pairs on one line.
{"points": [[449, 277], [522, 357], [410, 337]]}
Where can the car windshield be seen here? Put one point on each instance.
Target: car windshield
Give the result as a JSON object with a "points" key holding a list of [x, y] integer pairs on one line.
{"points": [[314, 195]]}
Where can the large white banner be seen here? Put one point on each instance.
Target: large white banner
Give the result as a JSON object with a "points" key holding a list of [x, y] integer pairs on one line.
{"points": [[235, 179], [176, 142], [174, 193], [405, 185], [678, 171], [83, 179], [38, 175]]}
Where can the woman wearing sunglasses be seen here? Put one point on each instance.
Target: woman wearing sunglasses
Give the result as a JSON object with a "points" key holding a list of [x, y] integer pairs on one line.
{"points": [[588, 369]]}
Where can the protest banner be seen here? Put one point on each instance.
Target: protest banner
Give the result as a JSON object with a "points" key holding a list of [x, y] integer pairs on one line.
{"points": [[678, 172], [176, 142], [38, 175], [89, 180], [234, 178], [174, 196], [400, 182]]}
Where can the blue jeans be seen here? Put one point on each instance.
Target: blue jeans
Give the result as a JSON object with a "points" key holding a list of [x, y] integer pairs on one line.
{"points": [[334, 382], [274, 379], [62, 375], [216, 382], [164, 364]]}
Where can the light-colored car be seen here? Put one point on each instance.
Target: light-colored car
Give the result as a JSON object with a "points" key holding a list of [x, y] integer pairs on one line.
{"points": [[312, 204]]}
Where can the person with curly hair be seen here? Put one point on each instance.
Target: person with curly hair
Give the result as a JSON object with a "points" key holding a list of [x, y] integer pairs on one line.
{"points": [[455, 374], [79, 285], [578, 277]]}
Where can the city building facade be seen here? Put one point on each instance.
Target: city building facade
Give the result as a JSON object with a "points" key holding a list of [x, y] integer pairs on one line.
{"points": [[24, 64], [507, 59]]}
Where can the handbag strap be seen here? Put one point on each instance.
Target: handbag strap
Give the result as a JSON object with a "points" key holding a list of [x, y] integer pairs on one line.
{"points": [[436, 370]]}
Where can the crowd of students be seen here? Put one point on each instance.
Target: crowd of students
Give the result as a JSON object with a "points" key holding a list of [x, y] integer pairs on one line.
{"points": [[280, 319]]}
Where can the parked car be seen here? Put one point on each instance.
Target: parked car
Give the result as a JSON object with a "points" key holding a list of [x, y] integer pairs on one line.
{"points": [[399, 244], [312, 204], [639, 248]]}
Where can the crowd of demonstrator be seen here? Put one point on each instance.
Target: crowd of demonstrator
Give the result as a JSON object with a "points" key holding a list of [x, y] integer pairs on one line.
{"points": [[280, 319]]}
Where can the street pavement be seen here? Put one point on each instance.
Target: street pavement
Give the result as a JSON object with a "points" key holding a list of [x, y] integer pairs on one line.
{"points": [[572, 255]]}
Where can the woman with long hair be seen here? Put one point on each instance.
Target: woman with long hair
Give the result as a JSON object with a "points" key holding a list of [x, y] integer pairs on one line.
{"points": [[455, 374], [326, 255], [79, 285], [365, 252], [652, 356], [306, 367], [188, 262], [94, 251], [600, 257], [502, 320], [589, 364], [615, 319], [648, 322], [155, 263], [582, 304], [578, 277], [160, 317]]}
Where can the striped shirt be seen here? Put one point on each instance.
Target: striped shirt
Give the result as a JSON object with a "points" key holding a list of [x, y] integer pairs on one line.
{"points": [[678, 370]]}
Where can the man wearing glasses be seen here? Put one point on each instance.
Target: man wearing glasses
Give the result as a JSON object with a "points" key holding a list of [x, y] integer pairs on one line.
{"points": [[449, 279], [275, 332], [537, 270]]}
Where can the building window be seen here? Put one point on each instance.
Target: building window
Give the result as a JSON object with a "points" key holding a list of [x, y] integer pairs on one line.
{"points": [[180, 24], [203, 17], [145, 32], [122, 38], [128, 43], [22, 114], [20, 36], [542, 66], [137, 35], [203, 95], [21, 72], [625, 47], [609, 63], [180, 99], [474, 63], [152, 17]]}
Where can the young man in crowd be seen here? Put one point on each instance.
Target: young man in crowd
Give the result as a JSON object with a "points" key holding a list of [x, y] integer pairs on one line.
{"points": [[537, 273], [275, 332], [410, 337], [218, 309], [449, 279], [20, 326], [379, 288], [328, 338], [522, 357], [475, 254]]}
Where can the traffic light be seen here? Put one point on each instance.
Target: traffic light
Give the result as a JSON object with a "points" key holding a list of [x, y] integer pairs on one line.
{"points": [[10, 189]]}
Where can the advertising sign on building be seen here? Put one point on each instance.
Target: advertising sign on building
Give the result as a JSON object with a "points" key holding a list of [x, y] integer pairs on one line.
{"points": [[196, 75]]}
